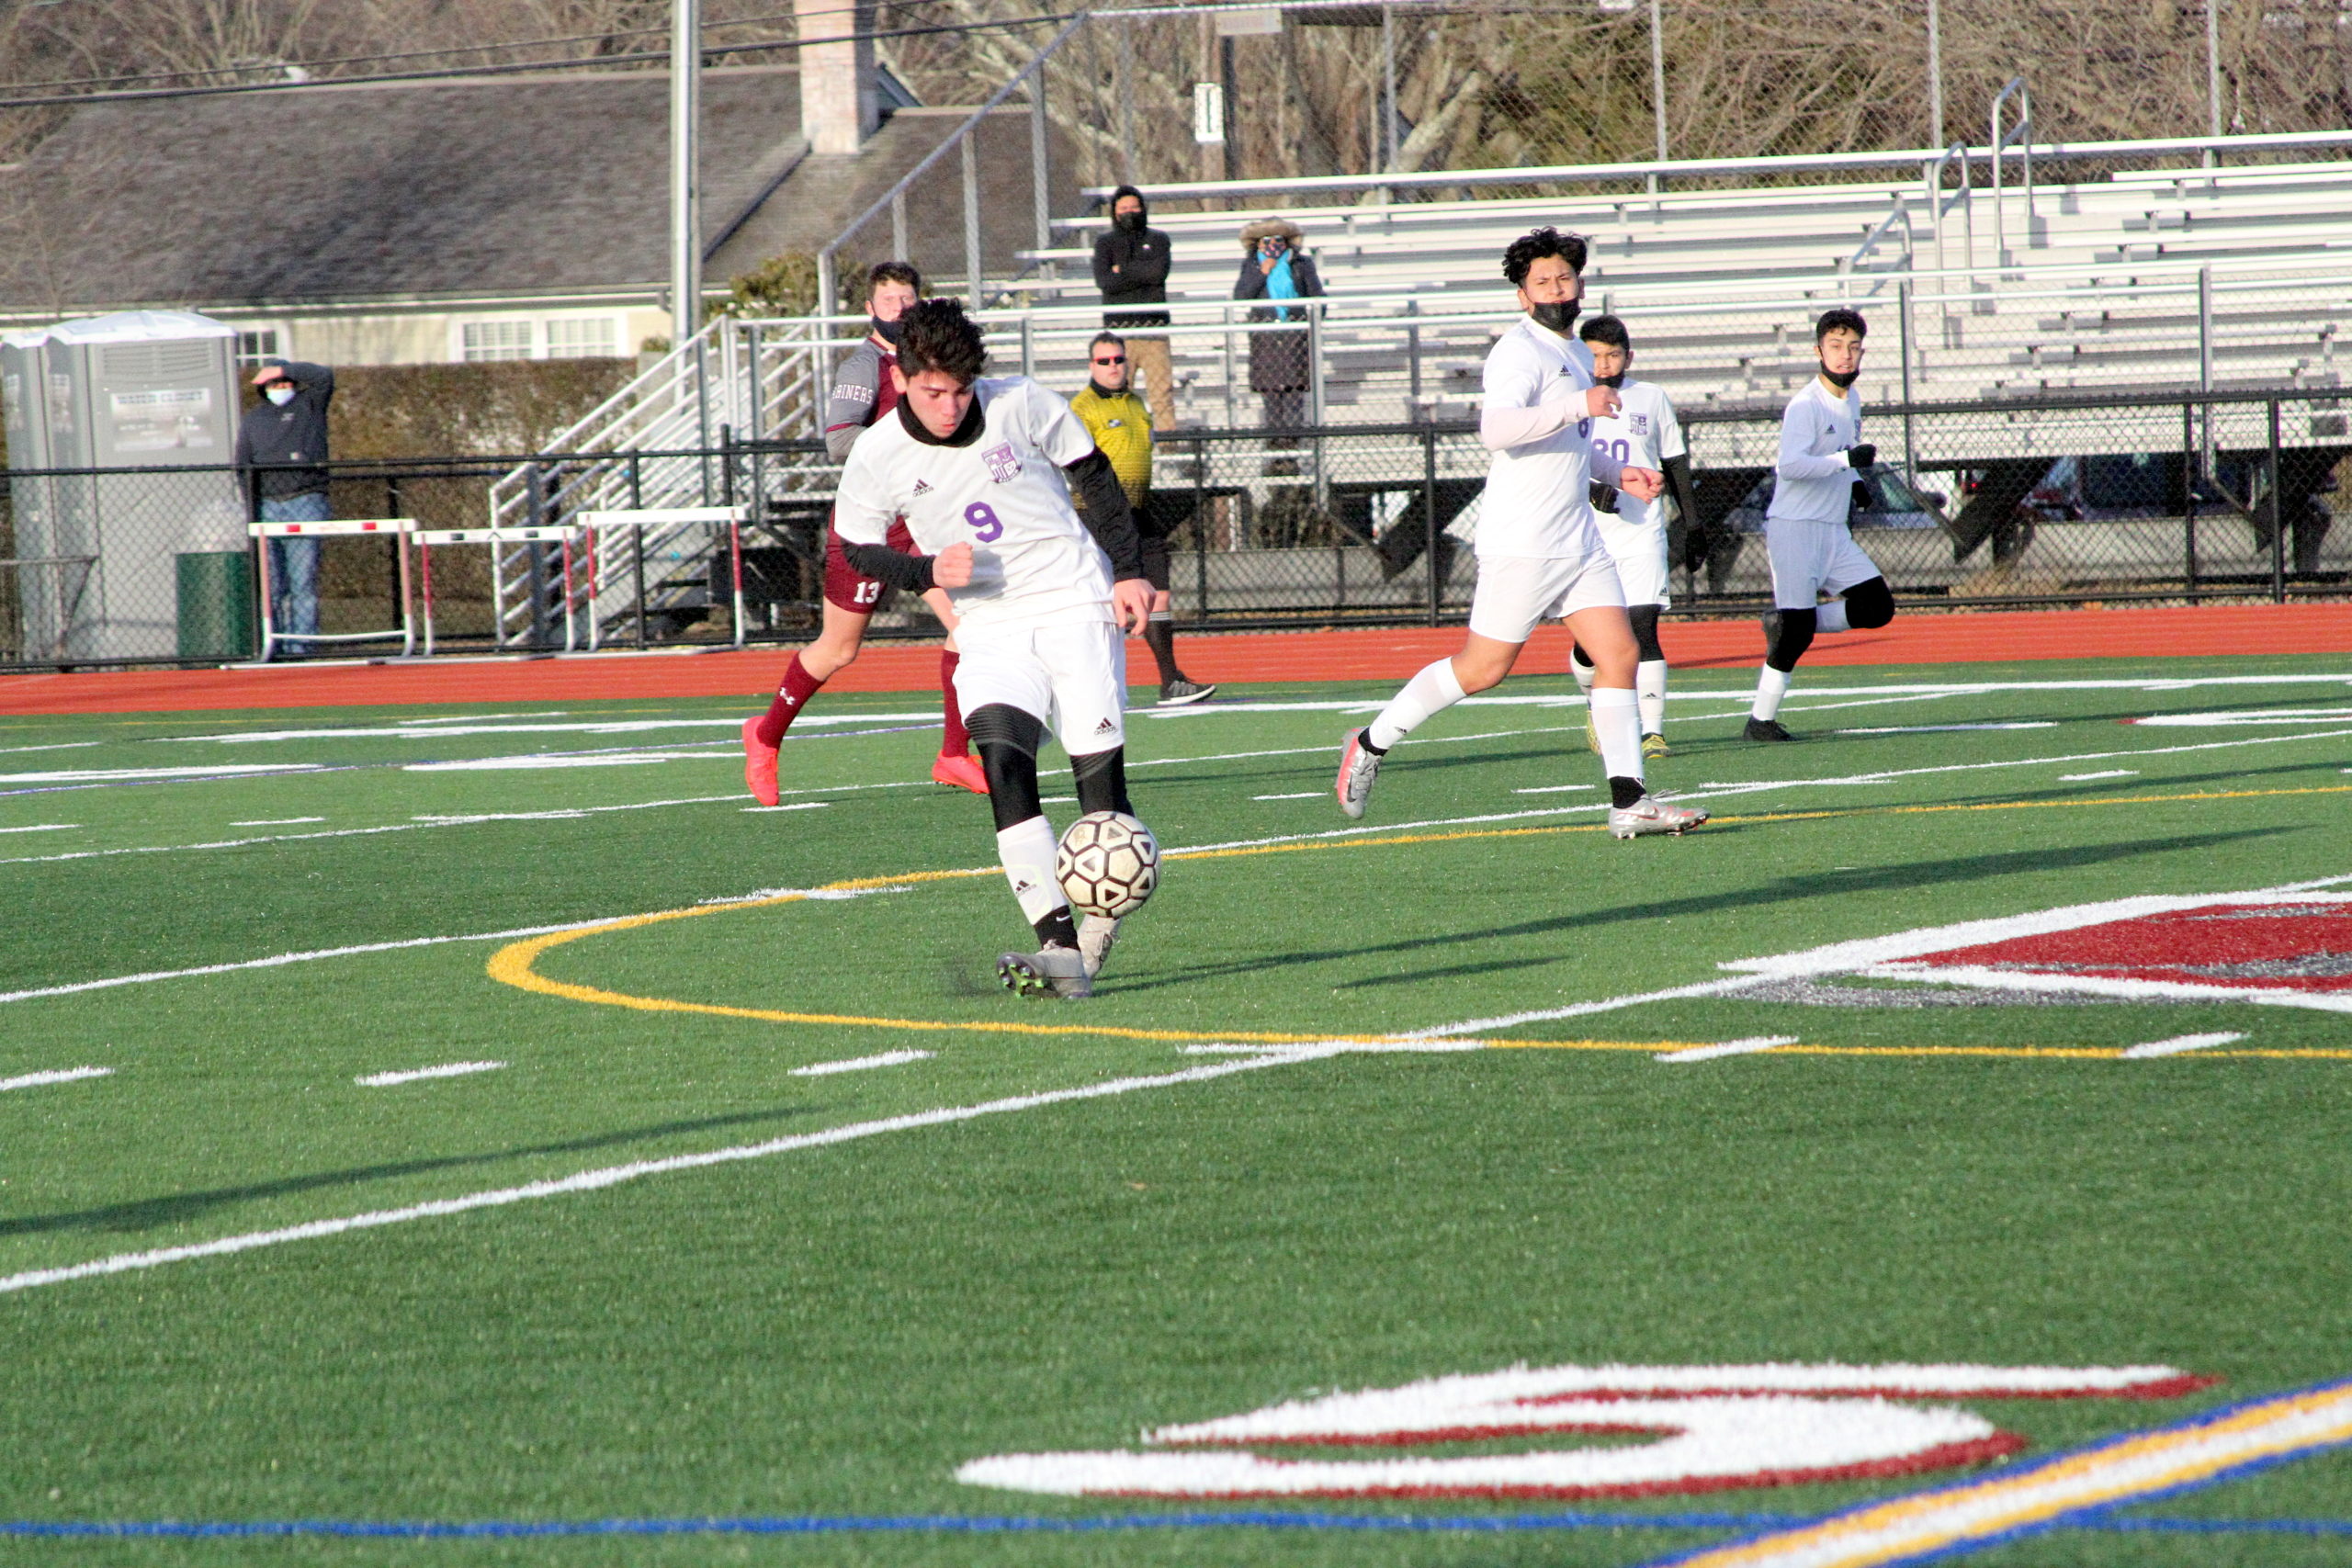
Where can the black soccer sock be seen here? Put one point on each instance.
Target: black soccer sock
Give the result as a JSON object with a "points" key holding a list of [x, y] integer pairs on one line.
{"points": [[1056, 930], [1577, 656], [1623, 793], [1101, 778], [1645, 644], [1870, 605], [1160, 637], [1793, 635]]}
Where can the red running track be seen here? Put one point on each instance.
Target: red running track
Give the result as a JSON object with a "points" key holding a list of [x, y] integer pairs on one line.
{"points": [[1239, 658]]}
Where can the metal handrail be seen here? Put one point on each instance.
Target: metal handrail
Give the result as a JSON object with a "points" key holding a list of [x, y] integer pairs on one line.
{"points": [[826, 282], [2151, 147], [2000, 142], [1901, 213], [1938, 206]]}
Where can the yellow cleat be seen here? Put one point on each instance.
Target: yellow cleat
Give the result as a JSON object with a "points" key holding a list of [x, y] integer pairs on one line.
{"points": [[1655, 745]]}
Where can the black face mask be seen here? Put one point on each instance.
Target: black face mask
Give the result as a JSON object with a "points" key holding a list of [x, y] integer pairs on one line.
{"points": [[889, 332], [1130, 222], [1559, 315], [1841, 379], [1616, 380]]}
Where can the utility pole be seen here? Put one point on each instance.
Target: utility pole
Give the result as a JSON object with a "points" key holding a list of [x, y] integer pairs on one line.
{"points": [[1934, 77], [2213, 74], [685, 180], [1658, 73]]}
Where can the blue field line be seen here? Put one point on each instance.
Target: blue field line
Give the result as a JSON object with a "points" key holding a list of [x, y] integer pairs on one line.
{"points": [[969, 1524]]}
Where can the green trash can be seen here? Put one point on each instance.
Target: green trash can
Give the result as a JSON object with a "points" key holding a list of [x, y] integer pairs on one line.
{"points": [[216, 604]]}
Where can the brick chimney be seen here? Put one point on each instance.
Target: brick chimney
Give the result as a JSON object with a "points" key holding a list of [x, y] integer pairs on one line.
{"points": [[838, 106]]}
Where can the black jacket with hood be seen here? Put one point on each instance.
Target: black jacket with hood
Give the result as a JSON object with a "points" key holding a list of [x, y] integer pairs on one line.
{"points": [[275, 446], [1131, 268]]}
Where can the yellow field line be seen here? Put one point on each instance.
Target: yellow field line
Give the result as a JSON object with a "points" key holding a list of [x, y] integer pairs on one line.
{"points": [[513, 964]]}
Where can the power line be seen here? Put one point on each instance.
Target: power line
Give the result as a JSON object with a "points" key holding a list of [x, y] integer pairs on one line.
{"points": [[434, 53], [464, 72]]}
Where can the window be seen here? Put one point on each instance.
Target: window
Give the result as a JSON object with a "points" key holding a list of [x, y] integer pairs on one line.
{"points": [[254, 347], [497, 340], [592, 338]]}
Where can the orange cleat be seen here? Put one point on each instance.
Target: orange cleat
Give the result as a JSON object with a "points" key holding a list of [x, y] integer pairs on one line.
{"points": [[963, 772], [759, 765]]}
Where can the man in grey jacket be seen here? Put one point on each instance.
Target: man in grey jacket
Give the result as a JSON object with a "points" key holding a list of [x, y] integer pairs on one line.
{"points": [[281, 450]]}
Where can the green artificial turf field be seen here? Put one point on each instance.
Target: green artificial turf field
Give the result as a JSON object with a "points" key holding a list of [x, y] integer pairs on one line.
{"points": [[1308, 1137]]}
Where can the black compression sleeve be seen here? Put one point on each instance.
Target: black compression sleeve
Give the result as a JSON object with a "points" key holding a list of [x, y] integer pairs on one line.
{"points": [[1677, 484], [1103, 507], [908, 573]]}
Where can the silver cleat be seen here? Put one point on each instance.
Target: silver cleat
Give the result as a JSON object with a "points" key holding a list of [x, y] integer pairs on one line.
{"points": [[1096, 935], [1359, 765], [1057, 972], [1651, 814]]}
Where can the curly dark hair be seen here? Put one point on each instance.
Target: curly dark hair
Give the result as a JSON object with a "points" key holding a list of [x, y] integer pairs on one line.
{"points": [[1528, 248], [1836, 317], [1606, 329], [893, 272], [935, 334]]}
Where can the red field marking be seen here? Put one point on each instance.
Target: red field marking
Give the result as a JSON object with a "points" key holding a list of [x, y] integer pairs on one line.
{"points": [[1239, 658], [2258, 946]]}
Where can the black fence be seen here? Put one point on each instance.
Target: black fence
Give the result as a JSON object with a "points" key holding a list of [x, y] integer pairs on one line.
{"points": [[2174, 498]]}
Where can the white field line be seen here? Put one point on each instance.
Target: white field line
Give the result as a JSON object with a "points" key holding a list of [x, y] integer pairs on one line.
{"points": [[311, 955], [861, 1064], [52, 746], [1544, 789], [62, 1074], [415, 730], [2211, 720], [542, 761], [1881, 777], [1728, 1048], [52, 828], [1302, 794], [2180, 1042], [414, 1075], [615, 1175], [2103, 773], [1940, 728], [790, 805], [1988, 979], [276, 821], [121, 775]]}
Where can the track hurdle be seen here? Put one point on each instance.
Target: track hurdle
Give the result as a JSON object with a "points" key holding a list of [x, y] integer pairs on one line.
{"points": [[641, 519], [397, 529], [425, 538]]}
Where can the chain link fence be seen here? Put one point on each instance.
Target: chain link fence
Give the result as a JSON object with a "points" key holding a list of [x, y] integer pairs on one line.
{"points": [[2048, 500]]}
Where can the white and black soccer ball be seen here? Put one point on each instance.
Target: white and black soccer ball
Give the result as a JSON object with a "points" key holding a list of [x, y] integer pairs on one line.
{"points": [[1108, 863]]}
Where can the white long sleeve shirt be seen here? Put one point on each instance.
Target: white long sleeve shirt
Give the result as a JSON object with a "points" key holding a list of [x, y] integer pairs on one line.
{"points": [[1534, 421], [1814, 482]]}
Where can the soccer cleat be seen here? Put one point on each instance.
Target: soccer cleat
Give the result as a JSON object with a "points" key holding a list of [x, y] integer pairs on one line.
{"points": [[1651, 814], [964, 772], [1359, 765], [1180, 692], [1096, 934], [1591, 730], [1766, 729], [1053, 973], [1654, 744], [758, 764]]}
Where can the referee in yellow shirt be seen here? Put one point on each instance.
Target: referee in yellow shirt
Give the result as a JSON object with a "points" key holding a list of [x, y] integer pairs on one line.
{"points": [[1122, 428]]}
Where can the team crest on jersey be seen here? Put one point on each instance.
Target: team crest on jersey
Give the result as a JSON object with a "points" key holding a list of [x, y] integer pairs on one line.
{"points": [[1640, 422], [1005, 465]]}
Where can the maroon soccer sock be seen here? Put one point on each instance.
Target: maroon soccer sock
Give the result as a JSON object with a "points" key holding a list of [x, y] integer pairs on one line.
{"points": [[797, 688], [955, 740]]}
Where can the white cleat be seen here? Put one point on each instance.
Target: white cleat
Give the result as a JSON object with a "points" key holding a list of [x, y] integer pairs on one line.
{"points": [[1053, 973], [1359, 765], [1096, 935], [1651, 814]]}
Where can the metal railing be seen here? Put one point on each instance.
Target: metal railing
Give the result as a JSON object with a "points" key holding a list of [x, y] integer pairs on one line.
{"points": [[2019, 134]]}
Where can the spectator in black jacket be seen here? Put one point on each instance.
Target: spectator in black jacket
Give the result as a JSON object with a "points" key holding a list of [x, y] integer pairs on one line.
{"points": [[281, 446], [1131, 268], [1273, 267]]}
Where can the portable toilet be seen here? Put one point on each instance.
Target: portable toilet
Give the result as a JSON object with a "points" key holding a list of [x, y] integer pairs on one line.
{"points": [[120, 557]]}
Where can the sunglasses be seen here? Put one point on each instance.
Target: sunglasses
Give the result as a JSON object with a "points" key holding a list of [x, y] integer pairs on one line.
{"points": [[1114, 359]]}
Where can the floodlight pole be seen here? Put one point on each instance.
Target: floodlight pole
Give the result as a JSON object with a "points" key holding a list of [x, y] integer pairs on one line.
{"points": [[2213, 74], [1935, 75], [686, 184]]}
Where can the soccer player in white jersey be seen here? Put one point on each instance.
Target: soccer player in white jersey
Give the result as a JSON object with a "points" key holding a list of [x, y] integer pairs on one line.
{"points": [[1540, 557], [1645, 432], [1815, 487], [982, 470]]}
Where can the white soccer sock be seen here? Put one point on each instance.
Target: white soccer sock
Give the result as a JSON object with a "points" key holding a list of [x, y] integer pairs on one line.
{"points": [[1617, 718], [1027, 850], [1831, 617], [1771, 686], [1649, 685], [1427, 695], [1585, 673]]}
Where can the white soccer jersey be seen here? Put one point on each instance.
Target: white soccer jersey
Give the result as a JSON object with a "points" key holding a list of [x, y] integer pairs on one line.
{"points": [[1536, 504], [1003, 492], [1643, 434], [1814, 483]]}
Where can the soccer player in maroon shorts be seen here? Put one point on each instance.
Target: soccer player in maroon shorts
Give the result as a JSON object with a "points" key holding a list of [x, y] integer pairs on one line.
{"points": [[863, 392]]}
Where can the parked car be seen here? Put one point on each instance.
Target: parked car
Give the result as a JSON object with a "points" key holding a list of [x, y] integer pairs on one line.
{"points": [[1893, 503]]}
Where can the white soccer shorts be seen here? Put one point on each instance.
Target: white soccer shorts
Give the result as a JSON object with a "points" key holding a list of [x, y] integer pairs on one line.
{"points": [[1813, 558], [1517, 592], [1071, 676], [1639, 550]]}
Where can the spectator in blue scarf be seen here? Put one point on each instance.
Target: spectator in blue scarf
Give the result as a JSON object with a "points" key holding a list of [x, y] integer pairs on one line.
{"points": [[1273, 267]]}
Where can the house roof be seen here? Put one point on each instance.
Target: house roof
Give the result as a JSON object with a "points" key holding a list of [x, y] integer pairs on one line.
{"points": [[502, 184]]}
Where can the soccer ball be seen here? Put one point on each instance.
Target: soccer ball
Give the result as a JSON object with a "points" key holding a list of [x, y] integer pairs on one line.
{"points": [[1108, 864]]}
